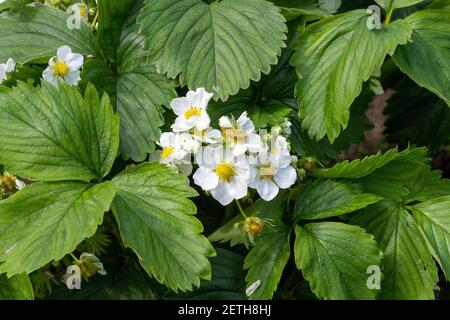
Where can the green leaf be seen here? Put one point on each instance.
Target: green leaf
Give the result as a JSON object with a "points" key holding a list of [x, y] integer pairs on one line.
{"points": [[47, 220], [14, 4], [156, 220], [112, 17], [329, 198], [43, 29], [412, 108], [266, 261], [425, 58], [334, 257], [17, 287], [427, 185], [227, 281], [136, 90], [272, 210], [433, 217], [205, 44], [362, 167], [408, 267], [334, 57], [54, 134], [395, 4]]}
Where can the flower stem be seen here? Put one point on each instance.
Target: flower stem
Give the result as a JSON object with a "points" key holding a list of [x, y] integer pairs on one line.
{"points": [[74, 258], [389, 16], [95, 18], [241, 210]]}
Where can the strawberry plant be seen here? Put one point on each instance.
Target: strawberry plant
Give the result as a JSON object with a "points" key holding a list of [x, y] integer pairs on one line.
{"points": [[193, 149]]}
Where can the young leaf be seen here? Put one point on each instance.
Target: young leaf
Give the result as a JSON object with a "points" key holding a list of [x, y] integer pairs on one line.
{"points": [[266, 261], [434, 219], [136, 90], [47, 220], [43, 29], [219, 46], [334, 257], [425, 58], [395, 4], [155, 219], [334, 57], [49, 133], [17, 287], [328, 198], [409, 269]]}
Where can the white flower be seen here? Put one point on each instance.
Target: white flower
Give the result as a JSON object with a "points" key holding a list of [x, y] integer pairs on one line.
{"points": [[271, 173], [73, 277], [80, 10], [189, 143], [93, 263], [20, 184], [251, 289], [64, 67], [225, 175], [173, 153], [239, 134], [191, 111], [6, 68]]}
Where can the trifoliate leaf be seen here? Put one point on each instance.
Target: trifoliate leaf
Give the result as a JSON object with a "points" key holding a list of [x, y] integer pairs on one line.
{"points": [[266, 261], [47, 220], [43, 29], [49, 133], [334, 57], [425, 58], [334, 257], [433, 217], [205, 44], [408, 267], [155, 219], [329, 198], [136, 90], [18, 287], [395, 4]]}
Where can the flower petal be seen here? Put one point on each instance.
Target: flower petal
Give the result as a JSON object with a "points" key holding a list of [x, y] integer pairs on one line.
{"points": [[180, 105], [76, 61], [205, 178], [167, 139], [221, 194], [73, 77], [285, 177], [237, 188], [199, 98], [267, 189], [63, 52]]}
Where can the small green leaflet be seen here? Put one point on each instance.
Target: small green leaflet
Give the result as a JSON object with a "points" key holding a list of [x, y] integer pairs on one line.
{"points": [[395, 4], [18, 287], [335, 258], [334, 57], [49, 133], [43, 29], [205, 44], [155, 219], [328, 198], [426, 58], [47, 220], [433, 217], [408, 267], [266, 261]]}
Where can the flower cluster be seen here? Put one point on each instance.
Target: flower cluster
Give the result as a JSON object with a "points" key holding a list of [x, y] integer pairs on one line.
{"points": [[230, 160]]}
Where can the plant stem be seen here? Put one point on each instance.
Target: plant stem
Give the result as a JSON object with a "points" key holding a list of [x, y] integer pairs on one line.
{"points": [[240, 209], [389, 15], [95, 19], [74, 258]]}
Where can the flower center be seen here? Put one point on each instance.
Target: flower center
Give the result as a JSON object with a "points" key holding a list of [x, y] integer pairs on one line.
{"points": [[225, 171], [234, 135], [193, 111], [83, 11], [254, 225], [166, 152], [266, 171], [60, 69]]}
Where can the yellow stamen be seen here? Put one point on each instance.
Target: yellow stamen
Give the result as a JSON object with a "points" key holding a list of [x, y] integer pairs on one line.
{"points": [[83, 12], [234, 135], [166, 152], [254, 225], [266, 171], [225, 171], [60, 69], [193, 111], [9, 181]]}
